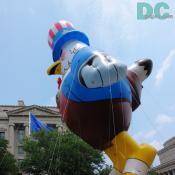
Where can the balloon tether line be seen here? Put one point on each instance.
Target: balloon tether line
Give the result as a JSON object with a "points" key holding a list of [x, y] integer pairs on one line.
{"points": [[110, 91], [63, 115]]}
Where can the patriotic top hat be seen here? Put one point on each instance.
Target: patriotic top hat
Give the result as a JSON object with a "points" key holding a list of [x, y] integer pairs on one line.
{"points": [[59, 34]]}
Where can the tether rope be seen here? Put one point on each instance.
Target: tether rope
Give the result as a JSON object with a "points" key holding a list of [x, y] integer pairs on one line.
{"points": [[67, 102]]}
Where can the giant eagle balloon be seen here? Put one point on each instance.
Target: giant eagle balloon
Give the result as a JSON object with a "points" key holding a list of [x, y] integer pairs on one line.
{"points": [[97, 96]]}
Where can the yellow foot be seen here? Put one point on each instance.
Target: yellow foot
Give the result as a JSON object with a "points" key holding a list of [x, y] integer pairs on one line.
{"points": [[145, 153], [140, 161], [129, 157]]}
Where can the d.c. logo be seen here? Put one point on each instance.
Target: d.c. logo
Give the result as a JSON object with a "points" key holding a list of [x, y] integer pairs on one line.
{"points": [[145, 11]]}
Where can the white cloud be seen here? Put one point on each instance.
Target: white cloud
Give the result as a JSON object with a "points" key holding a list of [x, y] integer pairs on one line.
{"points": [[164, 67], [163, 119], [125, 12], [142, 136], [158, 145], [112, 18]]}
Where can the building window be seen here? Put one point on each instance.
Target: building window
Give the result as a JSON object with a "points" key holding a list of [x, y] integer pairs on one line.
{"points": [[20, 135], [2, 135], [53, 126], [20, 150]]}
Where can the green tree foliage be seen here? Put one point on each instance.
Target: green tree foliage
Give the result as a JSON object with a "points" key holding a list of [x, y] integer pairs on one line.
{"points": [[8, 164], [151, 173], [56, 153], [106, 170]]}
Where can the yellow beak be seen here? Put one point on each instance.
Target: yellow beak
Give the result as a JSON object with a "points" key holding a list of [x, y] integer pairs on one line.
{"points": [[55, 68]]}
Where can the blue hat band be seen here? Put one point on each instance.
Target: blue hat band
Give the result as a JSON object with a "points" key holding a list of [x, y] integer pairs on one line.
{"points": [[60, 34], [64, 36]]}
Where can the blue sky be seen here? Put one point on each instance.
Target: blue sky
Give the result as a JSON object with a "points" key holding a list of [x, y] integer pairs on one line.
{"points": [[112, 26]]}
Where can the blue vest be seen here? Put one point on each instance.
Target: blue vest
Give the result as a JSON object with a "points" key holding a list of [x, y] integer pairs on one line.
{"points": [[74, 90]]}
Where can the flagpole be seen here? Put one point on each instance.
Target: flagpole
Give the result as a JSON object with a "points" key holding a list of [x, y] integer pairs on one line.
{"points": [[29, 124]]}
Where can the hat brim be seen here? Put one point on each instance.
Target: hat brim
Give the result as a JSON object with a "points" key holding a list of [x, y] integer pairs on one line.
{"points": [[55, 68], [61, 38]]}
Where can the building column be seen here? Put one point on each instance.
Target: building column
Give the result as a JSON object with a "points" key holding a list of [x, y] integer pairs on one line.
{"points": [[169, 172], [60, 129], [26, 125], [12, 137]]}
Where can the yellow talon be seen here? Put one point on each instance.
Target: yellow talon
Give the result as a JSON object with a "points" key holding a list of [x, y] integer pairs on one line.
{"points": [[128, 157]]}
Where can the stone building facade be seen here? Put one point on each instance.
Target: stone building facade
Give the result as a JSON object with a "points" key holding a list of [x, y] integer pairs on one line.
{"points": [[14, 123], [167, 159]]}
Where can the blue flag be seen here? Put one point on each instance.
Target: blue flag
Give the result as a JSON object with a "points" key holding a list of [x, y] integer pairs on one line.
{"points": [[37, 125]]}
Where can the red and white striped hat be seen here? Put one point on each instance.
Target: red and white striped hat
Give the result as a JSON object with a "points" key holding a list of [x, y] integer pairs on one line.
{"points": [[59, 34], [57, 27]]}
